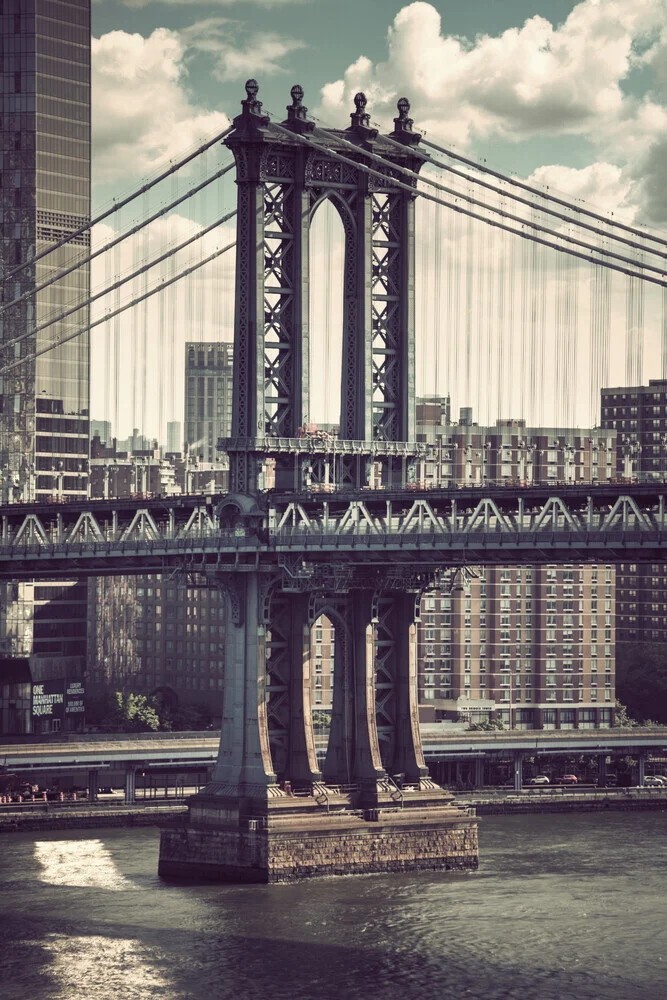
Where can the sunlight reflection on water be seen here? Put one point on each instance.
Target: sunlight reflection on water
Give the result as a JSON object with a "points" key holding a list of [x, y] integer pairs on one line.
{"points": [[109, 968], [79, 863]]}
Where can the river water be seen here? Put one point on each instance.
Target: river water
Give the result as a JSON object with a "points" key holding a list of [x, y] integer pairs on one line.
{"points": [[562, 907]]}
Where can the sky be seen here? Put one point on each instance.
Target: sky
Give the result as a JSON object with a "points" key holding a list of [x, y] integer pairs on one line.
{"points": [[572, 96]]}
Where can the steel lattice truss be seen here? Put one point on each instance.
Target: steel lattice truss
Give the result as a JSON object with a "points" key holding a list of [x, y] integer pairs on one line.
{"points": [[438, 528]]}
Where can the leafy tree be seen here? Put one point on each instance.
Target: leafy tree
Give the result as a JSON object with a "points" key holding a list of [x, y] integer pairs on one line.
{"points": [[489, 725], [621, 717], [134, 713]]}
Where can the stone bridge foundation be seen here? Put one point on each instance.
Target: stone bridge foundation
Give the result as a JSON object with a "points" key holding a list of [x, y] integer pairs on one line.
{"points": [[269, 814]]}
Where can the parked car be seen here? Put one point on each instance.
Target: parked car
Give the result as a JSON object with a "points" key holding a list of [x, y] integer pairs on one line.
{"points": [[568, 779], [539, 779], [655, 781]]}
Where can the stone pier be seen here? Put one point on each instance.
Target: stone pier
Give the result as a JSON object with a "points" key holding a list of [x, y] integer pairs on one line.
{"points": [[269, 814]]}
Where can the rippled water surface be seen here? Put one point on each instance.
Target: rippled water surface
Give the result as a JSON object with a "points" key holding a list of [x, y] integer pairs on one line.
{"points": [[562, 907]]}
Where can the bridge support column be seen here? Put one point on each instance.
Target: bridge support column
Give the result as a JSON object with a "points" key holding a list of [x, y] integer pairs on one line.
{"points": [[641, 767], [602, 771], [408, 753], [301, 768], [518, 771], [93, 784], [130, 785], [353, 753], [479, 772], [244, 768]]}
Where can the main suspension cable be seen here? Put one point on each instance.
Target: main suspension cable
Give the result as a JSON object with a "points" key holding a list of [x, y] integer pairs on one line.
{"points": [[128, 305], [121, 281], [118, 239], [542, 194], [119, 204], [309, 141], [429, 160], [377, 158]]}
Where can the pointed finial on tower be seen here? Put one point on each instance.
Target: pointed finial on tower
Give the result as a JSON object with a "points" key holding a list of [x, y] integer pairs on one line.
{"points": [[359, 116], [297, 114], [251, 106], [403, 124]]}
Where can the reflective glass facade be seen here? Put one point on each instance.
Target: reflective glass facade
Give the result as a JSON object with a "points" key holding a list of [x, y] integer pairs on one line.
{"points": [[44, 401], [45, 197]]}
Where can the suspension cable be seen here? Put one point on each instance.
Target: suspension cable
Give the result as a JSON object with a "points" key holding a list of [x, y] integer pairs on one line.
{"points": [[128, 305], [119, 204], [543, 209], [119, 239], [459, 208], [121, 281], [547, 197], [375, 157]]}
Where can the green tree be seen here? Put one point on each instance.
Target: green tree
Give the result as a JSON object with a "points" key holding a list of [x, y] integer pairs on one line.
{"points": [[489, 725], [621, 717], [134, 713]]}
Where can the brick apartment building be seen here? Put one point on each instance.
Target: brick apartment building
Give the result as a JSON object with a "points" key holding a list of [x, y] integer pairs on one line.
{"points": [[531, 646]]}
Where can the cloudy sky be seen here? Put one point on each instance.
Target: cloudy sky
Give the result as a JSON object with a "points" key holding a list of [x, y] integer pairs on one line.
{"points": [[574, 94], [569, 95]]}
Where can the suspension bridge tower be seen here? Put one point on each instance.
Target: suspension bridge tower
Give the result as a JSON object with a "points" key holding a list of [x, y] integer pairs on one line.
{"points": [[271, 812]]}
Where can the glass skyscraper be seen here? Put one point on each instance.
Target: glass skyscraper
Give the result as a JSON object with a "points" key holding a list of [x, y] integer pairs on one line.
{"points": [[44, 399], [45, 197]]}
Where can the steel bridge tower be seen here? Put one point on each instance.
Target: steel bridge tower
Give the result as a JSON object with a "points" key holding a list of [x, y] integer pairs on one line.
{"points": [[270, 812]]}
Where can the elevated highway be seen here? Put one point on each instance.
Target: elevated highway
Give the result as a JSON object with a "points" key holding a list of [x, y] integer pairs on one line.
{"points": [[190, 750]]}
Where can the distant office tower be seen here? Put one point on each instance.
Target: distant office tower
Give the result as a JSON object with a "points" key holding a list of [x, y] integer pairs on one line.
{"points": [[101, 429], [208, 398], [531, 646], [174, 443], [44, 401]]}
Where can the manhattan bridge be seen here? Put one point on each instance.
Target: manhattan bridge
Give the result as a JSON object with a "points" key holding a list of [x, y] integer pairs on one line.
{"points": [[347, 528]]}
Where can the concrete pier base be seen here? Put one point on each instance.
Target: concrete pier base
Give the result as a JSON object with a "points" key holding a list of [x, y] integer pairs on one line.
{"points": [[288, 838]]}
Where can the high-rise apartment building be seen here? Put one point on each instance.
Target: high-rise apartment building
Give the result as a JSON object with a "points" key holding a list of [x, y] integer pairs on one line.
{"points": [[155, 636], [531, 646], [208, 398], [102, 430], [638, 414], [44, 397]]}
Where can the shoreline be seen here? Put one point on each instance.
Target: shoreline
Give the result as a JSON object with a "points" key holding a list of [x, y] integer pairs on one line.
{"points": [[559, 801], [58, 816]]}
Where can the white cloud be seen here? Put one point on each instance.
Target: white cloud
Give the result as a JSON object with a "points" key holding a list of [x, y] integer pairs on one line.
{"points": [[604, 188], [235, 56], [526, 81], [142, 114], [530, 81]]}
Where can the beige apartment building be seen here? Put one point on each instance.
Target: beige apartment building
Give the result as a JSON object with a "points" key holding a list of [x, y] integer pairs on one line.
{"points": [[531, 646]]}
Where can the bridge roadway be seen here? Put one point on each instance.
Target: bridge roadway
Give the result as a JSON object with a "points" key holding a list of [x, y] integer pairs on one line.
{"points": [[188, 750], [600, 523]]}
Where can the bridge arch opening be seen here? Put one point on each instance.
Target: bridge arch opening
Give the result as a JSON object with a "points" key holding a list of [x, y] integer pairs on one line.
{"points": [[323, 655], [326, 264]]}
